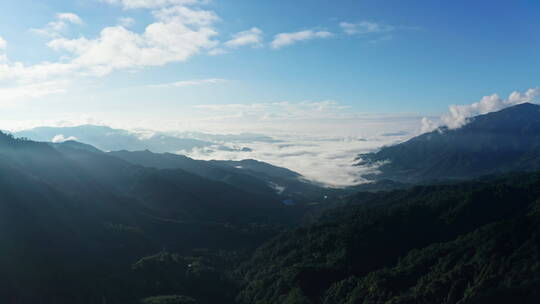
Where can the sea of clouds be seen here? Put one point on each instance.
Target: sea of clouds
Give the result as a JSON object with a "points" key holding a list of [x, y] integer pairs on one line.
{"points": [[326, 160]]}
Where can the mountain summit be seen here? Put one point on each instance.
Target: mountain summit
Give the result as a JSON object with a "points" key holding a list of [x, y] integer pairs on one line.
{"points": [[498, 142]]}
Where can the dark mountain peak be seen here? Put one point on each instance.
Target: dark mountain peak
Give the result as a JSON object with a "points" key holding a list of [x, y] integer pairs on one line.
{"points": [[503, 141], [73, 144], [517, 116], [523, 106]]}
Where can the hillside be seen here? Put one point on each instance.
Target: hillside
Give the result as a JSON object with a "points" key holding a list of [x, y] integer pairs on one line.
{"points": [[80, 226], [476, 242], [499, 142]]}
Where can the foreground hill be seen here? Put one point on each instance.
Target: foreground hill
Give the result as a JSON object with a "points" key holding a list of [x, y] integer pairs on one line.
{"points": [[80, 226], [504, 141], [476, 242]]}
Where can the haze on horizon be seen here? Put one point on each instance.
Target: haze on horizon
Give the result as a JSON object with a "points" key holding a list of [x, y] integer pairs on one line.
{"points": [[307, 72]]}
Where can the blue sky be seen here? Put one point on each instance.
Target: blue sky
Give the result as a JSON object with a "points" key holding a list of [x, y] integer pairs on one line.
{"points": [[215, 60]]}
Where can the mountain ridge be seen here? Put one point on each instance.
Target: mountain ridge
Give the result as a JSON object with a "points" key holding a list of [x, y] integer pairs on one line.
{"points": [[498, 142]]}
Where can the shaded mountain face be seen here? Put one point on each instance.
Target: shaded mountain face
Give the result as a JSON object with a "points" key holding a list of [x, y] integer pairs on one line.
{"points": [[504, 141], [248, 175], [74, 221], [475, 242], [109, 139]]}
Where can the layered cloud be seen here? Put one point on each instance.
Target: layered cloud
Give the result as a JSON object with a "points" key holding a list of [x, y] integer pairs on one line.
{"points": [[286, 39]]}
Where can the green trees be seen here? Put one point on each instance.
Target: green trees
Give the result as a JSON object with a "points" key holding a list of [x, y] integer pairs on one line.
{"points": [[459, 243]]}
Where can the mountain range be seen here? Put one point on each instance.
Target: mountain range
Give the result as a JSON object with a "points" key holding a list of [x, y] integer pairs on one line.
{"points": [[74, 218], [80, 224], [109, 139]]}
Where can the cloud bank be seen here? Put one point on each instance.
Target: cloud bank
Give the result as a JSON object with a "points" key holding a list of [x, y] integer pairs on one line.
{"points": [[325, 160]]}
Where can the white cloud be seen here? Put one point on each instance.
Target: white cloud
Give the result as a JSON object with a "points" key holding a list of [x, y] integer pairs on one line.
{"points": [[285, 39], [134, 4], [3, 43], [60, 138], [189, 83], [59, 25], [365, 27], [460, 114], [186, 15], [428, 125], [251, 37], [175, 36], [69, 17]]}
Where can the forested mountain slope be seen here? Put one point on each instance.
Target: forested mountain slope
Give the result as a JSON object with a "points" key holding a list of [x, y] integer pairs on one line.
{"points": [[499, 142], [477, 242], [76, 225]]}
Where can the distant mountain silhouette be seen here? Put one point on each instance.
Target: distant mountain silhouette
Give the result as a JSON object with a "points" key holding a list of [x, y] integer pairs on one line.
{"points": [[504, 141], [109, 139]]}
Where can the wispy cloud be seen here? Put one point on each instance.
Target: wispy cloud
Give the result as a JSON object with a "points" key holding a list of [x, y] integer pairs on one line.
{"points": [[365, 27], [69, 17], [285, 39], [189, 83], [252, 37], [60, 24]]}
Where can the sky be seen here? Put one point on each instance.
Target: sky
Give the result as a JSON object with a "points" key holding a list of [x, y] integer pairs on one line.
{"points": [[330, 79], [196, 64]]}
